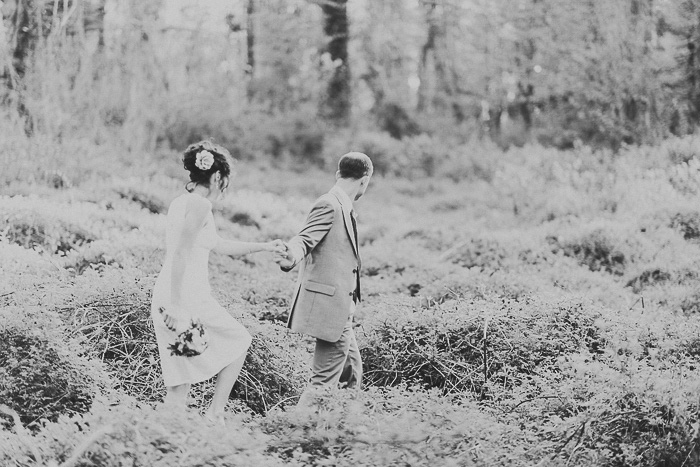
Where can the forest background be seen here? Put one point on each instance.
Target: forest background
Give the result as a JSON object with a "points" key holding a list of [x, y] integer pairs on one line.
{"points": [[531, 238], [272, 77]]}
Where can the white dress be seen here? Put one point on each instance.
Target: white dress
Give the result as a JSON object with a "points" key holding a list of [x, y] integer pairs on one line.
{"points": [[228, 339]]}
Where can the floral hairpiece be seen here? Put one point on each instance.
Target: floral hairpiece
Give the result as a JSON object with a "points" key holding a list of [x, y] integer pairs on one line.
{"points": [[205, 160]]}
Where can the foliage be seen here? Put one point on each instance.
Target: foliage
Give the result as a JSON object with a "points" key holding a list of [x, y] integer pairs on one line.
{"points": [[113, 436], [26, 361], [388, 427], [548, 298], [459, 346], [597, 251]]}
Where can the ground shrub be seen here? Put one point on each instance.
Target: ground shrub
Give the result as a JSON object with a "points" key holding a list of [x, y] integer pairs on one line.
{"points": [[378, 427], [127, 252], [117, 328], [37, 382], [465, 284], [268, 305], [595, 250], [96, 262], [148, 201], [688, 223], [680, 150], [640, 431], [268, 378], [690, 347], [482, 253], [647, 278], [22, 261], [691, 303], [623, 413], [432, 238], [123, 435], [464, 346], [399, 426], [32, 230]]}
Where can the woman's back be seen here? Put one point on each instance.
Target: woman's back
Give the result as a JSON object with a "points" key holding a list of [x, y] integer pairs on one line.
{"points": [[196, 281]]}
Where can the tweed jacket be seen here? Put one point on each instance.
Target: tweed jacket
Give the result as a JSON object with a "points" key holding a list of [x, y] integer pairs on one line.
{"points": [[327, 254]]}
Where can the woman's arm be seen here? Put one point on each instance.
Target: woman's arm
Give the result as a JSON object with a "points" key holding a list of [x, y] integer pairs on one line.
{"points": [[236, 248]]}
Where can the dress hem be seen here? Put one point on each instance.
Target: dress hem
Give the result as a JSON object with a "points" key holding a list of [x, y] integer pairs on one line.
{"points": [[199, 380]]}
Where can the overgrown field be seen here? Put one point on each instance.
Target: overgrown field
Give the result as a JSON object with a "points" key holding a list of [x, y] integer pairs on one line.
{"points": [[533, 307]]}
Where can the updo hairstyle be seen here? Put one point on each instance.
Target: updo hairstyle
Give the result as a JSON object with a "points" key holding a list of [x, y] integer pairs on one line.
{"points": [[222, 164]]}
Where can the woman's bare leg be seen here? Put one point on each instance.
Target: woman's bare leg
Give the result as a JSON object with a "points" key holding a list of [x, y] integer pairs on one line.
{"points": [[224, 384], [176, 396]]}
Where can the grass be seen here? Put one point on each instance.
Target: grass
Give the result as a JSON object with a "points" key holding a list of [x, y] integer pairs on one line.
{"points": [[548, 298]]}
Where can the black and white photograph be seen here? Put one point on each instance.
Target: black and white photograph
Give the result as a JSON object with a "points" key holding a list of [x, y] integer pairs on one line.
{"points": [[352, 233]]}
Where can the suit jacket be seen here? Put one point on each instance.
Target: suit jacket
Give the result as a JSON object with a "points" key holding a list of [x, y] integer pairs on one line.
{"points": [[329, 274]]}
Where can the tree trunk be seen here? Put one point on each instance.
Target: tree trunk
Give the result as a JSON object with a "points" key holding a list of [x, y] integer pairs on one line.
{"points": [[336, 105], [427, 59], [250, 37], [7, 69], [27, 22], [436, 90], [94, 22]]}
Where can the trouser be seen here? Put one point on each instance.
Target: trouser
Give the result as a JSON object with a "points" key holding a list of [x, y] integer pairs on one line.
{"points": [[335, 364]]}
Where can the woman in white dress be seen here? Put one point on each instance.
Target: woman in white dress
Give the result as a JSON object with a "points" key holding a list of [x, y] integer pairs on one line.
{"points": [[182, 292]]}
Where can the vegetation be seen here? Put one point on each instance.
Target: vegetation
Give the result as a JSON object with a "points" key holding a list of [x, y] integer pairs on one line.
{"points": [[527, 328], [530, 239]]}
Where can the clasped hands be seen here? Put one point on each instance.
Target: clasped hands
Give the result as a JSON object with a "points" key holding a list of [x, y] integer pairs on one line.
{"points": [[283, 255], [284, 258]]}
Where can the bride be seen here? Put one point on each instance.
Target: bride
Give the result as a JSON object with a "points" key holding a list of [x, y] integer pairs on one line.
{"points": [[182, 293]]}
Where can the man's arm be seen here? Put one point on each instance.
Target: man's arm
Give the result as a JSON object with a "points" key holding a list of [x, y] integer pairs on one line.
{"points": [[318, 223]]}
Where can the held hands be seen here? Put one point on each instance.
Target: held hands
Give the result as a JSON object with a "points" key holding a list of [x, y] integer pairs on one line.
{"points": [[276, 246], [284, 258]]}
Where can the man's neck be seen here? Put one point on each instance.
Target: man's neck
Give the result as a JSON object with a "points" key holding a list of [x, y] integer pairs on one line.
{"points": [[348, 187]]}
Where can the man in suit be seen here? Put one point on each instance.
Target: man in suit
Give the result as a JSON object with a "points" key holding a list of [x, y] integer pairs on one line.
{"points": [[328, 289]]}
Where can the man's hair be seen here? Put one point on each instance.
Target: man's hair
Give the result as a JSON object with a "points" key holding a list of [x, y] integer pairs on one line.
{"points": [[355, 165]]}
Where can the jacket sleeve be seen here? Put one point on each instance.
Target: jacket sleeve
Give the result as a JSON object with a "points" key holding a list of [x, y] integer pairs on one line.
{"points": [[318, 223]]}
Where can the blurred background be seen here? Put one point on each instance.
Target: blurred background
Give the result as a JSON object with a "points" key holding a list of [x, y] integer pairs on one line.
{"points": [[304, 80]]}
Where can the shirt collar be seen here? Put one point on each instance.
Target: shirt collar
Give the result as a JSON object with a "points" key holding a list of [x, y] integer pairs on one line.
{"points": [[343, 197]]}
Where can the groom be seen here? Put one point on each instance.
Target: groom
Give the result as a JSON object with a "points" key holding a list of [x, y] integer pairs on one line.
{"points": [[328, 287]]}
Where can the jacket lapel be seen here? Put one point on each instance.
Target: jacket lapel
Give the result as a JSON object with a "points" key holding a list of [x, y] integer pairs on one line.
{"points": [[348, 224]]}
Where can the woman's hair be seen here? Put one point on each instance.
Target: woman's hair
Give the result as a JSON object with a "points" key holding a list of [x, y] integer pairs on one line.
{"points": [[222, 163]]}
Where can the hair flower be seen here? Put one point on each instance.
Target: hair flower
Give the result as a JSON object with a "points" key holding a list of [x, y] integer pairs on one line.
{"points": [[205, 160]]}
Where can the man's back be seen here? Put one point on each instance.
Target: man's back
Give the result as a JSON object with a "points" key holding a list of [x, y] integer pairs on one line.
{"points": [[328, 276]]}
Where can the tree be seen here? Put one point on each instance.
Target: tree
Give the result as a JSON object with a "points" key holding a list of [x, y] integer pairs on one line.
{"points": [[250, 37], [94, 21], [336, 104]]}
